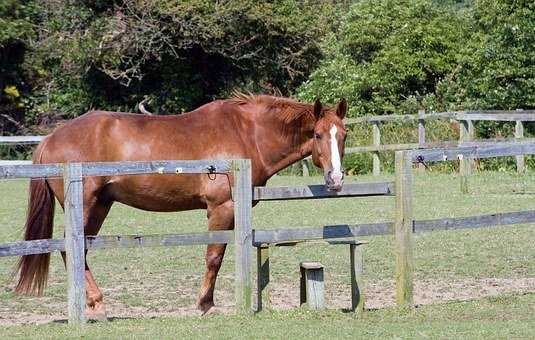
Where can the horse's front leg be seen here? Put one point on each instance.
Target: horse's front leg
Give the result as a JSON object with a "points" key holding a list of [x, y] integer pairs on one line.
{"points": [[220, 217]]}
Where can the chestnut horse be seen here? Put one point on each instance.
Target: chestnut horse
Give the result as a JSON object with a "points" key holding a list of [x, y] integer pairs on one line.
{"points": [[273, 132]]}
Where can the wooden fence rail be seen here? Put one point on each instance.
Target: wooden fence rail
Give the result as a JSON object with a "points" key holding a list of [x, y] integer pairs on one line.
{"points": [[263, 236], [466, 134]]}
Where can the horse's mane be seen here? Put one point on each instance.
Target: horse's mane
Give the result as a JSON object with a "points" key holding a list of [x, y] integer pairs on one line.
{"points": [[289, 110]]}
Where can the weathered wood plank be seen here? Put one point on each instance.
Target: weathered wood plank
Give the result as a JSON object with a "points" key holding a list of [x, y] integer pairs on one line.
{"points": [[15, 162], [119, 241], [320, 233], [501, 116], [376, 135], [496, 115], [21, 139], [319, 191], [519, 135], [399, 118], [243, 234], [472, 222], [31, 247], [312, 288], [476, 152], [421, 134], [282, 236], [156, 167], [28, 171], [466, 134], [169, 240], [74, 242], [434, 145], [403, 225]]}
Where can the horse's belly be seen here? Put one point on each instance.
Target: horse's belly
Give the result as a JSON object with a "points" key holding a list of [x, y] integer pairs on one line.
{"points": [[149, 193]]}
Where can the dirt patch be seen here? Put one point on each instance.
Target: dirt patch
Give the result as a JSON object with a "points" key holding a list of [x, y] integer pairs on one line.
{"points": [[286, 296]]}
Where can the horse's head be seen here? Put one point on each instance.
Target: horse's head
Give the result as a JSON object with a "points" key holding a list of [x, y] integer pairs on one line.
{"points": [[328, 143]]}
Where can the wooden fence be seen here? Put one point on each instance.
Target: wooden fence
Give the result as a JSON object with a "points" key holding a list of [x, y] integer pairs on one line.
{"points": [[244, 237], [466, 136]]}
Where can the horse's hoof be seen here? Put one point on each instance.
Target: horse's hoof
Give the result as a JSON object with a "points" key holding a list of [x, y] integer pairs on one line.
{"points": [[205, 308], [97, 313]]}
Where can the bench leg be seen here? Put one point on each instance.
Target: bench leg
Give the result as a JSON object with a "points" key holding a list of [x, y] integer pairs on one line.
{"points": [[357, 298], [262, 255]]}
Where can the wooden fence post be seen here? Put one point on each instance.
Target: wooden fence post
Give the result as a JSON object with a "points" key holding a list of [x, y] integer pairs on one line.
{"points": [[421, 134], [262, 260], [243, 234], [519, 134], [357, 284], [74, 242], [376, 134], [403, 228], [465, 165]]}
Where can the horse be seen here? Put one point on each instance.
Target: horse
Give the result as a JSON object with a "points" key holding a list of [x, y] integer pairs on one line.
{"points": [[274, 132]]}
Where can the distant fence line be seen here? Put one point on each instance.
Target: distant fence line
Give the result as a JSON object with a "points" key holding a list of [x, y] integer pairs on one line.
{"points": [[466, 136]]}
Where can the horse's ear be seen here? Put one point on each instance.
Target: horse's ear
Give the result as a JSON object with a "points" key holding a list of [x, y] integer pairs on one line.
{"points": [[318, 109], [341, 108]]}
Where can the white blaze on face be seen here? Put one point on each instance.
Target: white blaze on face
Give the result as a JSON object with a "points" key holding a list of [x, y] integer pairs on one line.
{"points": [[335, 155]]}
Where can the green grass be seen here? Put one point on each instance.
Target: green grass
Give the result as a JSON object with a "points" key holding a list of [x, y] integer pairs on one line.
{"points": [[162, 280], [492, 318]]}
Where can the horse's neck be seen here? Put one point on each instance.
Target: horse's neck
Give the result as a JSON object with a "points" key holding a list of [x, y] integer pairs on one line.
{"points": [[278, 150]]}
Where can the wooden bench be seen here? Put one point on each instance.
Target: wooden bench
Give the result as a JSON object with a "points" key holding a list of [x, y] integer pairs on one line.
{"points": [[355, 260]]}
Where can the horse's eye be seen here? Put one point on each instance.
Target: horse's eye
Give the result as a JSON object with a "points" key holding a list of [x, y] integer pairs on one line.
{"points": [[317, 136]]}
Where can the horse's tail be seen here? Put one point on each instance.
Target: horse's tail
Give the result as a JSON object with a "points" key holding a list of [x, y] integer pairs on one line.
{"points": [[33, 269]]}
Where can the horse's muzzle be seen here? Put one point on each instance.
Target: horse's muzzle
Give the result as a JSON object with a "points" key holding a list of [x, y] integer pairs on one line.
{"points": [[333, 182]]}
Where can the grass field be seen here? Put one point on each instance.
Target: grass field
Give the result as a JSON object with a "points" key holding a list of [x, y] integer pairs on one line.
{"points": [[477, 283]]}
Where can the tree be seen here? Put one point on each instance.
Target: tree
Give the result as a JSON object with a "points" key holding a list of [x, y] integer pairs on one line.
{"points": [[388, 56]]}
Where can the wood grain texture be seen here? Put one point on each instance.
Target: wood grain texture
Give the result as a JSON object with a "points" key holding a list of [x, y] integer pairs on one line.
{"points": [[262, 236], [21, 139], [155, 167], [519, 135], [119, 241], [312, 285], [376, 135], [403, 227], [421, 134], [499, 116], [319, 191], [74, 242], [280, 237], [30, 171], [243, 234], [475, 152], [466, 134]]}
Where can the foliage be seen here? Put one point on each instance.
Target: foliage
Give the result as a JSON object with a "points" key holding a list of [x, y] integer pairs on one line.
{"points": [[78, 55], [389, 55], [495, 70]]}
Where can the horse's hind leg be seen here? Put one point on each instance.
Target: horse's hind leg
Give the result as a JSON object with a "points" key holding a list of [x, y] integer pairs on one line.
{"points": [[96, 214], [96, 209], [220, 217]]}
